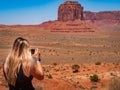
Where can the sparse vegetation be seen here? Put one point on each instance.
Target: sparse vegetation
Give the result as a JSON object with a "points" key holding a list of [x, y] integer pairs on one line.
{"points": [[49, 76], [54, 64], [46, 70], [57, 49], [94, 78], [75, 68], [98, 63]]}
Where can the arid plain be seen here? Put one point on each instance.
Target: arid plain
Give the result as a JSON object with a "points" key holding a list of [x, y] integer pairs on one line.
{"points": [[60, 50]]}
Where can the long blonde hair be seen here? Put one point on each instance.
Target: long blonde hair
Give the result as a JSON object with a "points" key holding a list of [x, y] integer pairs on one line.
{"points": [[19, 54]]}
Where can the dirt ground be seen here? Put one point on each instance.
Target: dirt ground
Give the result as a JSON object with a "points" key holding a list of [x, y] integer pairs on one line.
{"points": [[59, 51], [99, 46]]}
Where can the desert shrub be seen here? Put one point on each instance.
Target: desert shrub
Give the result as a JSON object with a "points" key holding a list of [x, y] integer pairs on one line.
{"points": [[54, 64], [98, 63], [49, 76], [75, 68], [94, 78], [114, 84], [46, 70]]}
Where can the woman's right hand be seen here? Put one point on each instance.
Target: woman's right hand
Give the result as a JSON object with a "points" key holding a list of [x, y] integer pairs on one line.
{"points": [[37, 53]]}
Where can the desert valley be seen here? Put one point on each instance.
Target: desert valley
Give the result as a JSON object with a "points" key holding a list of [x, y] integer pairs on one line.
{"points": [[92, 45]]}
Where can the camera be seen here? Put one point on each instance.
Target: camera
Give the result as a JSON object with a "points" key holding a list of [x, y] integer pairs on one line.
{"points": [[32, 51]]}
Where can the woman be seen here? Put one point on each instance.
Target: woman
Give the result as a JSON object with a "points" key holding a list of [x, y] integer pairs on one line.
{"points": [[20, 66]]}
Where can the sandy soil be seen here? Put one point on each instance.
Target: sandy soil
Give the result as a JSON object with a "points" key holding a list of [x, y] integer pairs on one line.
{"points": [[102, 46], [61, 77], [60, 50]]}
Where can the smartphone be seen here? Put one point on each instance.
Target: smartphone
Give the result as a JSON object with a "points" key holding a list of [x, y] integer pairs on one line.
{"points": [[32, 51]]}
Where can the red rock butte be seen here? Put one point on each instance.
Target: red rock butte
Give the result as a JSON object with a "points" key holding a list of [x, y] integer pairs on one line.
{"points": [[70, 10]]}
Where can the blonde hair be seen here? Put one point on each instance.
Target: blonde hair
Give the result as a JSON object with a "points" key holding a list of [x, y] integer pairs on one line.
{"points": [[19, 54]]}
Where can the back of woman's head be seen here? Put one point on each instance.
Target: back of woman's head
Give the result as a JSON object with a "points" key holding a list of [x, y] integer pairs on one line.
{"points": [[20, 54], [20, 47]]}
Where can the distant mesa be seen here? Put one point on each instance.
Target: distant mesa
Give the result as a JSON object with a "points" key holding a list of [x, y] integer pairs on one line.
{"points": [[72, 18], [102, 15], [70, 10]]}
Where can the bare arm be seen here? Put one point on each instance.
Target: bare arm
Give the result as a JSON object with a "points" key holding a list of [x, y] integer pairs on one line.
{"points": [[37, 70]]}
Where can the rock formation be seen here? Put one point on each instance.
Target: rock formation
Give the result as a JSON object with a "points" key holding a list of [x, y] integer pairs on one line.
{"points": [[103, 15], [70, 10]]}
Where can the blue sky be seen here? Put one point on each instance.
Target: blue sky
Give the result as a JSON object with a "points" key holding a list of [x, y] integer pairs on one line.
{"points": [[38, 11]]}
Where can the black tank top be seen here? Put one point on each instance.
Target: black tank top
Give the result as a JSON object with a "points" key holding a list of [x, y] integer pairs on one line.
{"points": [[22, 82]]}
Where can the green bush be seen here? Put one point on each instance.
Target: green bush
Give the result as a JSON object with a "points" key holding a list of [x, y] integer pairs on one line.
{"points": [[75, 68], [94, 78]]}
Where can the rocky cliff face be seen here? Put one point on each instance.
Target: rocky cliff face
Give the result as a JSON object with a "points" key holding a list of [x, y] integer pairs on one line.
{"points": [[70, 10], [104, 15]]}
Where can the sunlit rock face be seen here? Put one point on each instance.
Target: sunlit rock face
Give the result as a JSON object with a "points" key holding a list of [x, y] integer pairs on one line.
{"points": [[70, 10]]}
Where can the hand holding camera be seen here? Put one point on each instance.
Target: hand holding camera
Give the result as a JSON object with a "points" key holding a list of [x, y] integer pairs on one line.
{"points": [[36, 54]]}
